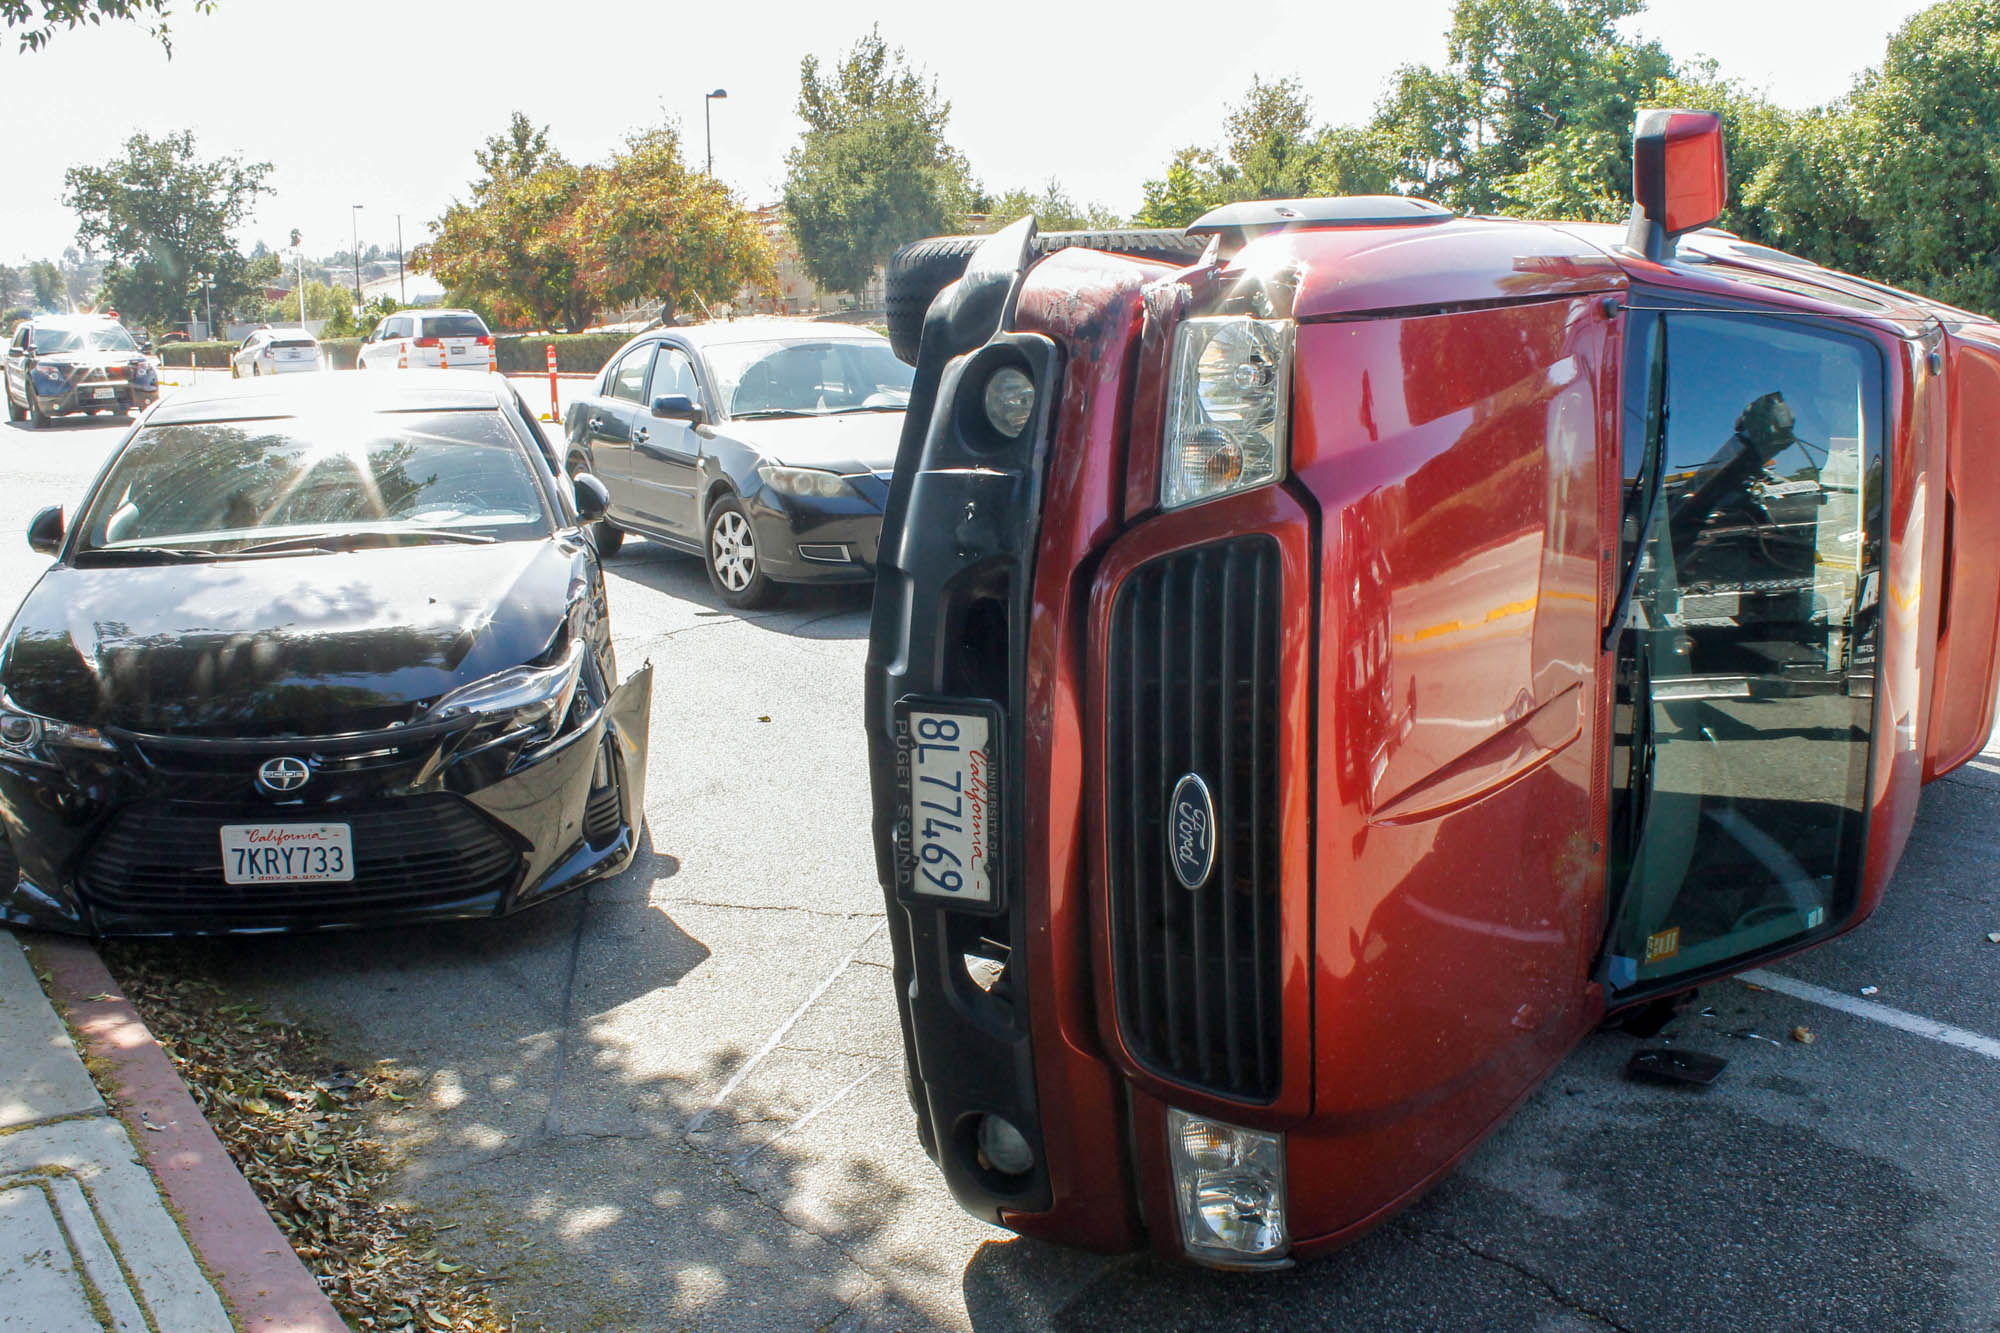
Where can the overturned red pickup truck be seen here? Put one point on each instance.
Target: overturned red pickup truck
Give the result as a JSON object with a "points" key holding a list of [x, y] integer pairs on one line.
{"points": [[1314, 684]]}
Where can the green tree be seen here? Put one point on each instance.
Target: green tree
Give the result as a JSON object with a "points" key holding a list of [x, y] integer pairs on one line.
{"points": [[1532, 112], [506, 251], [45, 282], [1271, 149], [872, 170], [1052, 208], [165, 215], [646, 228], [40, 20], [1196, 180]]}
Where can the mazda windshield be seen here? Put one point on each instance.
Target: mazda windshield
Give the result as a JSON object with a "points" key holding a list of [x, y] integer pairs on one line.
{"points": [[795, 379]]}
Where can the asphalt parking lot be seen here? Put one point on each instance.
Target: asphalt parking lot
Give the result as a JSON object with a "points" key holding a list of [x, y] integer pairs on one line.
{"points": [[674, 1100]]}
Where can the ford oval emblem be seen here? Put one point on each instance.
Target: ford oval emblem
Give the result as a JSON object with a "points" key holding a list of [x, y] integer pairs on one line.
{"points": [[283, 774], [1191, 831]]}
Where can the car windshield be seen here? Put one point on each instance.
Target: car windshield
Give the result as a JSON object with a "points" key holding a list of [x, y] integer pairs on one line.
{"points": [[110, 338], [453, 326], [809, 378], [242, 487]]}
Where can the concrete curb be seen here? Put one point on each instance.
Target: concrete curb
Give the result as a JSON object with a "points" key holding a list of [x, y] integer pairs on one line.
{"points": [[267, 1287]]}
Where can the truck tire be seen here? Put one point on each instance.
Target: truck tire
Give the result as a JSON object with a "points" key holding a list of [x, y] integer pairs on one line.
{"points": [[922, 269]]}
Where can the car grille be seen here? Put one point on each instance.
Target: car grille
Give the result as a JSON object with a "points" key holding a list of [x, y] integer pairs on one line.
{"points": [[166, 859], [1191, 686]]}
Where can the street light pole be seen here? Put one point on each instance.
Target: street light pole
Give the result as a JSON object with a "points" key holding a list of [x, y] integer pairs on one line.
{"points": [[707, 125], [354, 219], [402, 292]]}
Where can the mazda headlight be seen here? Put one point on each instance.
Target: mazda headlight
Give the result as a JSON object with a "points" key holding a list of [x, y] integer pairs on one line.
{"points": [[1229, 1187], [526, 696], [806, 482], [1228, 400]]}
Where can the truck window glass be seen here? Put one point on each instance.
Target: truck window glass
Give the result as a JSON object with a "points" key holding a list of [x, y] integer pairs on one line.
{"points": [[1750, 653]]}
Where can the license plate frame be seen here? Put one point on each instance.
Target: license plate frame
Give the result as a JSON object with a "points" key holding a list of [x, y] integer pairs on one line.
{"points": [[319, 853], [971, 846], [103, 391]]}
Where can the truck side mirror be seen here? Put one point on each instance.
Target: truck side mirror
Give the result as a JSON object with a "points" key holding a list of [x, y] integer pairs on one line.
{"points": [[45, 530], [1680, 177], [677, 407]]}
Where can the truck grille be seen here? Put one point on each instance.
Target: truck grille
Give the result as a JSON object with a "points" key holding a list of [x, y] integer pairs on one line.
{"points": [[165, 859], [1191, 686]]}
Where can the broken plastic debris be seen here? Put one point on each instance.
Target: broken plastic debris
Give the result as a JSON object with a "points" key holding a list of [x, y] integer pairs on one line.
{"points": [[1993, 937], [1870, 990], [1678, 1066], [1803, 1036]]}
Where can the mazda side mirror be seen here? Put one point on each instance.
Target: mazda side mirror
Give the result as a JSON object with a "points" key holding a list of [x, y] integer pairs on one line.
{"points": [[678, 407], [591, 498], [1680, 177], [45, 530]]}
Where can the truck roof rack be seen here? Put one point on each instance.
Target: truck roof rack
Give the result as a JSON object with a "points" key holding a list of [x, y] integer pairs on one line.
{"points": [[1236, 224]]}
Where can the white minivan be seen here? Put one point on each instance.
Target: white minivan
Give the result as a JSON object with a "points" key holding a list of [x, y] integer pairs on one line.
{"points": [[429, 339]]}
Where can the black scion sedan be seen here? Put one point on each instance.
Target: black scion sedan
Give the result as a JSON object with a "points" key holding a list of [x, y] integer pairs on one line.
{"points": [[764, 445], [317, 652]]}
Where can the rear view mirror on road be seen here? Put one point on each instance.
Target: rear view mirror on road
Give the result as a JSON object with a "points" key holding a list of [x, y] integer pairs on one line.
{"points": [[592, 499], [676, 407], [45, 530]]}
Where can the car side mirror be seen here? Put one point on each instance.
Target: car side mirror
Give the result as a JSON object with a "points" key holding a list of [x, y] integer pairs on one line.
{"points": [[1680, 177], [678, 407], [591, 498], [45, 530]]}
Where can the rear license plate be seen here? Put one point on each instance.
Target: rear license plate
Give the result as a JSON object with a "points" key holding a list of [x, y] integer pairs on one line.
{"points": [[948, 780], [104, 393], [286, 853]]}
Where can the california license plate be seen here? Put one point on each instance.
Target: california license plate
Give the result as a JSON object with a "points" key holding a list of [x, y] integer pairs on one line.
{"points": [[286, 853], [948, 814], [104, 393]]}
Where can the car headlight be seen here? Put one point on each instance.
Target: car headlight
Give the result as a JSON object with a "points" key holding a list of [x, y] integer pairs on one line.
{"points": [[1229, 1185], [51, 375], [1228, 399], [807, 482], [29, 735], [526, 696]]}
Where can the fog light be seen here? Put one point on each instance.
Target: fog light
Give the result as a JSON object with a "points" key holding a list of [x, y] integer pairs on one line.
{"points": [[1010, 401], [1002, 1147], [19, 731], [1229, 1184]]}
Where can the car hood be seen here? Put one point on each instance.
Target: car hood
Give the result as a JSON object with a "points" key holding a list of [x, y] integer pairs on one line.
{"points": [[92, 360], [297, 645], [849, 442]]}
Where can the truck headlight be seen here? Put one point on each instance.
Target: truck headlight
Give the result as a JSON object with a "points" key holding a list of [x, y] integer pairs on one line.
{"points": [[1229, 1185], [807, 482], [1228, 400]]}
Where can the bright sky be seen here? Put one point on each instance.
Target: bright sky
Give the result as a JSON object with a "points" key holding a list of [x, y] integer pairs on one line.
{"points": [[382, 104]]}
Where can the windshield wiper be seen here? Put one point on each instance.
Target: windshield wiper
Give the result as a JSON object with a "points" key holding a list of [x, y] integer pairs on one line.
{"points": [[146, 555], [771, 412], [350, 541], [879, 407]]}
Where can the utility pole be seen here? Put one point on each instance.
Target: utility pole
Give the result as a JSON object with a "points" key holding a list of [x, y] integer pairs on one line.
{"points": [[707, 127], [299, 254], [402, 292], [354, 218]]}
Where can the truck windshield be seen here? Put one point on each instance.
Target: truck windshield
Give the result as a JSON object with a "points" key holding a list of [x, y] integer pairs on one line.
{"points": [[1750, 647]]}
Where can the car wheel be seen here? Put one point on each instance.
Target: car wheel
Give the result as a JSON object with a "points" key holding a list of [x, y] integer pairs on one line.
{"points": [[734, 570], [36, 417], [15, 411], [604, 534]]}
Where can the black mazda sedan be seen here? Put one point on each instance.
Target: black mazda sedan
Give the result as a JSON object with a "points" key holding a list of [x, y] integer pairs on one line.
{"points": [[763, 445], [317, 652]]}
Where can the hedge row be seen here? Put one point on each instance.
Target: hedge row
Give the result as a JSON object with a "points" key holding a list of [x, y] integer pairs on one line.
{"points": [[518, 353]]}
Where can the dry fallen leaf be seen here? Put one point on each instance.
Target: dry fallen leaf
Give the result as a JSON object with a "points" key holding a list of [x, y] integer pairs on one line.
{"points": [[1803, 1036]]}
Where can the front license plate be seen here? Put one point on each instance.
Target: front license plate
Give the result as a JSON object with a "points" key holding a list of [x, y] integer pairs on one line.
{"points": [[286, 853], [104, 393], [948, 818]]}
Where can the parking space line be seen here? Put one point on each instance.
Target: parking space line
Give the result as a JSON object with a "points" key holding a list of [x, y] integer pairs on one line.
{"points": [[744, 1159], [771, 1042], [1914, 1024]]}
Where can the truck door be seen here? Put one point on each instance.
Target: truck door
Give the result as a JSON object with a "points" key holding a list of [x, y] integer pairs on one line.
{"points": [[1746, 641]]}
